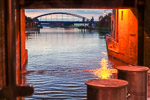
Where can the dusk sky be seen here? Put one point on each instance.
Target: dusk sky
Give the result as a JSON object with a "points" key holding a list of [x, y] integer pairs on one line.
{"points": [[88, 13]]}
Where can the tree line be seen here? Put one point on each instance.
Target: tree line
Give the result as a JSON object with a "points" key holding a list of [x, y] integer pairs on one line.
{"points": [[104, 22]]}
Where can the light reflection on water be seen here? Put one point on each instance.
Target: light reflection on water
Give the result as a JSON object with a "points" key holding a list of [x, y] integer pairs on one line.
{"points": [[59, 59]]}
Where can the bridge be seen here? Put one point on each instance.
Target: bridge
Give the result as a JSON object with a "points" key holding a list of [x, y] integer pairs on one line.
{"points": [[63, 20]]}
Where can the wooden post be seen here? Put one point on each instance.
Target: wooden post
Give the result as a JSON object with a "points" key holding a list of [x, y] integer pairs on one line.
{"points": [[140, 7], [10, 47], [11, 91], [2, 44], [24, 52]]}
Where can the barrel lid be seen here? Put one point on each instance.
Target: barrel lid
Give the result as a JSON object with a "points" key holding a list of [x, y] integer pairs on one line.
{"points": [[132, 68], [106, 83]]}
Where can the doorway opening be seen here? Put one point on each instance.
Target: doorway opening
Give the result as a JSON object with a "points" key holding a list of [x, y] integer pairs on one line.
{"points": [[65, 48]]}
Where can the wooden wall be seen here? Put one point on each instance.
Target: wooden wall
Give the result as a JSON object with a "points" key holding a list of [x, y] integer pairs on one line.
{"points": [[93, 4], [147, 34], [2, 44], [21, 52]]}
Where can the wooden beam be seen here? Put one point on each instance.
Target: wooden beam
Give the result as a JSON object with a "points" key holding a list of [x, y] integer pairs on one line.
{"points": [[93, 4], [140, 18]]}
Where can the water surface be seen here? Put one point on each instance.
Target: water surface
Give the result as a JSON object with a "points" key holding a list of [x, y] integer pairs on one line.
{"points": [[59, 60]]}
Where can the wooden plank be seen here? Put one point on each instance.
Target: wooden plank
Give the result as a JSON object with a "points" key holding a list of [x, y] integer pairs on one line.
{"points": [[93, 4], [2, 45]]}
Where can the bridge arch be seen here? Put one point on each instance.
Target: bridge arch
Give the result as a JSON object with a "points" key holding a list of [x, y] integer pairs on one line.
{"points": [[65, 13]]}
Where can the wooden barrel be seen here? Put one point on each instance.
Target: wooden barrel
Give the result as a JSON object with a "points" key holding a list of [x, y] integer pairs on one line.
{"points": [[106, 89], [137, 79]]}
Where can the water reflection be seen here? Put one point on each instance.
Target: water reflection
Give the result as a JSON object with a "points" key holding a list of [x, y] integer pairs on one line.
{"points": [[60, 61], [105, 71]]}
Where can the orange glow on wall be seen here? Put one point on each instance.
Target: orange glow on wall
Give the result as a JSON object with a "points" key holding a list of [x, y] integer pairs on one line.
{"points": [[123, 41], [24, 52], [128, 33]]}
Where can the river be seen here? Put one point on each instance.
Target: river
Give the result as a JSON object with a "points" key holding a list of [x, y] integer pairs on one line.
{"points": [[60, 61]]}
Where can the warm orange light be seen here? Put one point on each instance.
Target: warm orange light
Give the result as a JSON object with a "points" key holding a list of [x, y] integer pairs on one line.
{"points": [[104, 53], [104, 12], [103, 72], [36, 35]]}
